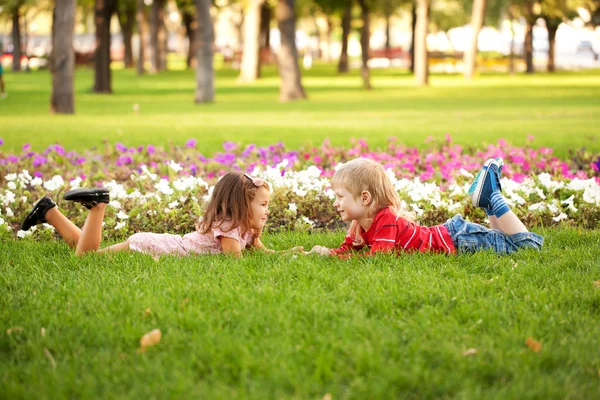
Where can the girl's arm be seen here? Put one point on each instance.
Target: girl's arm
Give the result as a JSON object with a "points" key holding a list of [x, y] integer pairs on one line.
{"points": [[230, 246]]}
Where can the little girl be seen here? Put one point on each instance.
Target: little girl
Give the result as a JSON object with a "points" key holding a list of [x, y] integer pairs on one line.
{"points": [[365, 195], [233, 221]]}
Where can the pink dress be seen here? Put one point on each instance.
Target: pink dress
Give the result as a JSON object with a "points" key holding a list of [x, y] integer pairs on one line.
{"points": [[158, 244]]}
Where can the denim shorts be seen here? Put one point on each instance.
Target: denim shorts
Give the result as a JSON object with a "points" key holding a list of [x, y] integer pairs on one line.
{"points": [[469, 237]]}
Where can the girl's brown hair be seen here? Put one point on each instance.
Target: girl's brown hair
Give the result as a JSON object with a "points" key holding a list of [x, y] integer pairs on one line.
{"points": [[231, 203], [363, 174]]}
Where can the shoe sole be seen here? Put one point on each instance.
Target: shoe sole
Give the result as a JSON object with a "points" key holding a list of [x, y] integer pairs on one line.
{"points": [[476, 195], [35, 209]]}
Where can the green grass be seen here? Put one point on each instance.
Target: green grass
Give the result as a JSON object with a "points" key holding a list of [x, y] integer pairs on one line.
{"points": [[559, 110], [274, 326]]}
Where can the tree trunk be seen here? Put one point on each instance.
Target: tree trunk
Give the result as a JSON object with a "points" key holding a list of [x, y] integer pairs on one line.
{"points": [[250, 67], [62, 100], [265, 26], [103, 13], [163, 37], [190, 32], [511, 56], [346, 21], [126, 22], [388, 17], [141, 28], [289, 71], [328, 39], [552, 27], [16, 39], [364, 44], [529, 47], [421, 59], [205, 74], [477, 18], [156, 35], [412, 37]]}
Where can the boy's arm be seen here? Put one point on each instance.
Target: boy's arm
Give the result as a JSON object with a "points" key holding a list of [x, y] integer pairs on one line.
{"points": [[259, 245]]}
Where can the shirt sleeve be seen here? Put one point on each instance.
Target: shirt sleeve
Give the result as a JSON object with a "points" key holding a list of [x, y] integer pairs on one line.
{"points": [[345, 247], [223, 232], [385, 234]]}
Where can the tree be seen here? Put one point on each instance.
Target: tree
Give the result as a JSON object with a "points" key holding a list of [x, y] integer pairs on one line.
{"points": [[346, 24], [141, 28], [364, 44], [554, 12], [250, 66], [205, 76], [157, 36], [421, 29], [103, 13], [289, 71], [126, 12], [476, 24], [14, 9], [62, 100], [188, 11]]}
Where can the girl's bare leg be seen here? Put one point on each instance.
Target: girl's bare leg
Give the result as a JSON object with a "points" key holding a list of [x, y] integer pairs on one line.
{"points": [[63, 225], [508, 223], [124, 246], [91, 233]]}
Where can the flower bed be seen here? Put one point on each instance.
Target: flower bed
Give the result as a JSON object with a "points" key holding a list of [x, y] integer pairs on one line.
{"points": [[164, 190]]}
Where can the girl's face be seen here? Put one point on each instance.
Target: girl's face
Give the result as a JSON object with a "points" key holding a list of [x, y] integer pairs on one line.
{"points": [[260, 208], [350, 208]]}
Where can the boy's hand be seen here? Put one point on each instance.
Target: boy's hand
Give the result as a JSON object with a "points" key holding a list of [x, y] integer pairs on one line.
{"points": [[320, 250]]}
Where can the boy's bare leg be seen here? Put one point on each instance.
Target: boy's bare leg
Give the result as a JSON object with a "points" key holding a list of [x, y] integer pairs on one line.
{"points": [[63, 225], [91, 233], [508, 223]]}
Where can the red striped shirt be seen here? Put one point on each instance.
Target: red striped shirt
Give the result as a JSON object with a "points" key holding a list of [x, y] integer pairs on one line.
{"points": [[394, 233]]}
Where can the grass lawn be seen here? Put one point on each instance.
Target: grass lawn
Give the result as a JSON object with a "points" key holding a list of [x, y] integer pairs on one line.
{"points": [[277, 326], [559, 110], [274, 326]]}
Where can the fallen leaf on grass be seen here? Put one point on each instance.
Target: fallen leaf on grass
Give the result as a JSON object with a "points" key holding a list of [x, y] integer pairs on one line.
{"points": [[49, 355], [147, 312], [15, 329], [327, 396], [533, 344], [43, 331], [149, 339], [470, 352], [597, 284]]}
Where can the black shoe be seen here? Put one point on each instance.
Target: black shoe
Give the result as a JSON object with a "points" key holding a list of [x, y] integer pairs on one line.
{"points": [[88, 197], [38, 213]]}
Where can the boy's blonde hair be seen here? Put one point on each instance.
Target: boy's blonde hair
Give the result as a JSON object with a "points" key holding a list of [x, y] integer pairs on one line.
{"points": [[363, 174]]}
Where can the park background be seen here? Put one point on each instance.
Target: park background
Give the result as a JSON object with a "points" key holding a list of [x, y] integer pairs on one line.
{"points": [[82, 112]]}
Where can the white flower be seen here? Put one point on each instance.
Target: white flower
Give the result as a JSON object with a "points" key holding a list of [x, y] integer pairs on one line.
{"points": [[1, 221], [537, 206], [173, 204], [560, 217], [466, 173], [11, 177], [122, 215], [307, 221], [36, 181], [174, 166], [24, 199], [120, 225], [167, 210], [76, 182], [163, 187], [569, 203], [292, 207], [9, 212], [22, 234], [54, 184], [11, 185], [115, 204]]}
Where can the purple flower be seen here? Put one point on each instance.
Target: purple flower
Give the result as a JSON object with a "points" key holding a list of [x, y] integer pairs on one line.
{"points": [[38, 174], [202, 158], [26, 146], [120, 147], [226, 159], [193, 169], [80, 160], [124, 160], [191, 143], [1, 141], [39, 160], [12, 159], [59, 149], [597, 164], [140, 149], [248, 150], [229, 146], [151, 149]]}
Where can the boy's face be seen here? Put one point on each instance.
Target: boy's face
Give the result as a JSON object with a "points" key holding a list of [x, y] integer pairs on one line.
{"points": [[260, 208], [349, 207]]}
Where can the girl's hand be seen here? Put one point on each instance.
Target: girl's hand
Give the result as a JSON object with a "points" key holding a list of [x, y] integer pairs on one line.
{"points": [[320, 250]]}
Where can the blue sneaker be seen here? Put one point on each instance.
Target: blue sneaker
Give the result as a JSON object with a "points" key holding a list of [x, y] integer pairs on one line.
{"points": [[486, 182]]}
